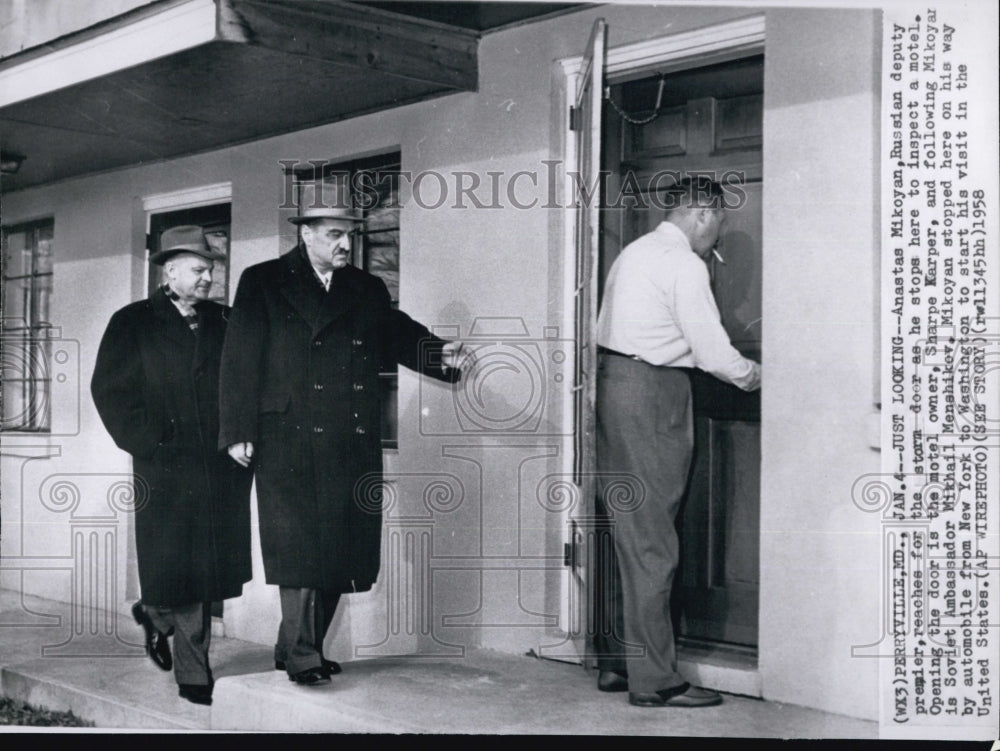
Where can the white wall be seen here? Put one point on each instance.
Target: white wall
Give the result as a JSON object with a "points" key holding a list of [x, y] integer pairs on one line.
{"points": [[28, 23], [819, 590], [820, 583]]}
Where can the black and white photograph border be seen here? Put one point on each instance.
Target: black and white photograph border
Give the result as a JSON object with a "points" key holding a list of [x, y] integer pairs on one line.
{"points": [[458, 188]]}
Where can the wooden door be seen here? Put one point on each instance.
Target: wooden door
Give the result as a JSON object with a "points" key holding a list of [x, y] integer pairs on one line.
{"points": [[710, 121]]}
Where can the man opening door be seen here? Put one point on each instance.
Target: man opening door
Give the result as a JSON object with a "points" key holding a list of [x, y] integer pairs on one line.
{"points": [[705, 120], [701, 131]]}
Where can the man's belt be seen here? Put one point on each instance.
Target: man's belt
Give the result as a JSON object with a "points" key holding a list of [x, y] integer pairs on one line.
{"points": [[615, 353]]}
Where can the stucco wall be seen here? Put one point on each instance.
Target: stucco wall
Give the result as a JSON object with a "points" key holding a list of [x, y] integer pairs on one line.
{"points": [[819, 554], [819, 591], [28, 23]]}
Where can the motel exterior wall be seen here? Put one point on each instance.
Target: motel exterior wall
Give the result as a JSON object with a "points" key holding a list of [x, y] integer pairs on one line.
{"points": [[820, 584]]}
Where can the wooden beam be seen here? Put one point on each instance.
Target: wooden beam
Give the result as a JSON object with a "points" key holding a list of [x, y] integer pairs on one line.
{"points": [[362, 38]]}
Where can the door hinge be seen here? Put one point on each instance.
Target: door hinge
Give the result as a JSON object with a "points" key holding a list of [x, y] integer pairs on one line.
{"points": [[574, 118]]}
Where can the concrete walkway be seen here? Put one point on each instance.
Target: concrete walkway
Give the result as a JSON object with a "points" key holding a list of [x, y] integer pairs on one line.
{"points": [[101, 674]]}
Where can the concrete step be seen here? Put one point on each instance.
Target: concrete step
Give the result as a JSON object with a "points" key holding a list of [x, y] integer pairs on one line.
{"points": [[106, 678], [29, 683]]}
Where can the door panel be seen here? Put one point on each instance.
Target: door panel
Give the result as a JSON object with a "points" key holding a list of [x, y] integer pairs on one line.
{"points": [[708, 128], [720, 525]]}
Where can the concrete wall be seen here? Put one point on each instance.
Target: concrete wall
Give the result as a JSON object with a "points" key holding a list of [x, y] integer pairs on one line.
{"points": [[473, 495]]}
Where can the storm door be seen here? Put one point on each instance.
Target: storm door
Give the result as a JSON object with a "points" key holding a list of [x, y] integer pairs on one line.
{"points": [[585, 122]]}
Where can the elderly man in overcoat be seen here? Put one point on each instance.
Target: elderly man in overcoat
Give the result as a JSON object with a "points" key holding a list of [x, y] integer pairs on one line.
{"points": [[301, 402], [156, 388]]}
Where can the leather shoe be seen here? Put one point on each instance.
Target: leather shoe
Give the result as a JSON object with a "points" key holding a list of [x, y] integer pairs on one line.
{"points": [[310, 677], [612, 680], [330, 666], [684, 695], [157, 646], [195, 692]]}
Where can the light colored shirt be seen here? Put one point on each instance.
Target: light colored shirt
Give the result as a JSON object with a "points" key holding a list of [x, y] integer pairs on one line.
{"points": [[658, 306]]}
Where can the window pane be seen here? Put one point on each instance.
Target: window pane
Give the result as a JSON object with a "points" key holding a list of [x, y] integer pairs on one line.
{"points": [[42, 293], [16, 302], [218, 240], [15, 404], [16, 258], [373, 186], [43, 251], [381, 219], [15, 361], [27, 256], [383, 261]]}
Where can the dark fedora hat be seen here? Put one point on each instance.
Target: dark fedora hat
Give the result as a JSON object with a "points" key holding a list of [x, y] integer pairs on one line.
{"points": [[187, 238]]}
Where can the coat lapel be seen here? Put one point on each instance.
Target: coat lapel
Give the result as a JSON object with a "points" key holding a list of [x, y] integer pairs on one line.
{"points": [[209, 335], [173, 326], [304, 292]]}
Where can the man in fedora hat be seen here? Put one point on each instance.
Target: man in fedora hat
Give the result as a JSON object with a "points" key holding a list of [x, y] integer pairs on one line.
{"points": [[301, 401], [156, 388]]}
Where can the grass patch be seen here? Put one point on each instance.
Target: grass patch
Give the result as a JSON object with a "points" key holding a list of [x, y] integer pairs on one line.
{"points": [[13, 712]]}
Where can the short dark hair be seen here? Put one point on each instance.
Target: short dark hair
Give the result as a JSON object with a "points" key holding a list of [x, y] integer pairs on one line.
{"points": [[694, 192]]}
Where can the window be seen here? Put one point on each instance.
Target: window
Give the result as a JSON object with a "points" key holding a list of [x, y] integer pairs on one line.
{"points": [[25, 336], [373, 187]]}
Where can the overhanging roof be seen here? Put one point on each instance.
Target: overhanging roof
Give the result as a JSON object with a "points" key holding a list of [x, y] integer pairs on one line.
{"points": [[183, 76]]}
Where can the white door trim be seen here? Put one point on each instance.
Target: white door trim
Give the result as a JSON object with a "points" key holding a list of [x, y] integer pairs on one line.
{"points": [[743, 36], [177, 200], [739, 36], [188, 198]]}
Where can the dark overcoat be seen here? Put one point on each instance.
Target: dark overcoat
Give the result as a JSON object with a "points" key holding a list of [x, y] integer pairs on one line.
{"points": [[300, 380], [156, 388]]}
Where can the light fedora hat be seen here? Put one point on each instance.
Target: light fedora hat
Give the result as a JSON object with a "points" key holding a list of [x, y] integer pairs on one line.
{"points": [[187, 238], [326, 200]]}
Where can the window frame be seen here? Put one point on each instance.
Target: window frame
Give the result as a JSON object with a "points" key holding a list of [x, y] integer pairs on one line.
{"points": [[36, 417], [388, 164]]}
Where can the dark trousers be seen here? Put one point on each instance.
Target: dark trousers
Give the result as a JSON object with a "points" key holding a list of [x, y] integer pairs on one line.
{"points": [[192, 629], [645, 443], [306, 615]]}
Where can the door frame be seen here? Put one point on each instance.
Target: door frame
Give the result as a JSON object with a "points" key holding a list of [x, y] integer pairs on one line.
{"points": [[696, 48], [178, 200]]}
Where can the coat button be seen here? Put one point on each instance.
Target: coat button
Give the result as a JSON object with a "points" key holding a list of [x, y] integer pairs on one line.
{"points": [[359, 387], [318, 386], [318, 343], [359, 430], [317, 429]]}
